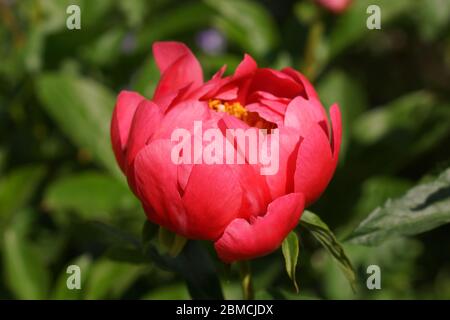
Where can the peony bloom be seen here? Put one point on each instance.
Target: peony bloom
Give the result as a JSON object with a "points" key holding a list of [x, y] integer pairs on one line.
{"points": [[335, 6], [245, 213]]}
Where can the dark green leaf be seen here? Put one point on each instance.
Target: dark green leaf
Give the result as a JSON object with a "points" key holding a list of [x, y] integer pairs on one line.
{"points": [[290, 253], [422, 208], [327, 239]]}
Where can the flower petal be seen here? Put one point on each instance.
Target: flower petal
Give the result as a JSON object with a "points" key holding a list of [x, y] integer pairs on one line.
{"points": [[179, 68], [156, 182], [144, 124], [282, 182], [244, 240], [276, 83], [126, 105], [336, 121], [212, 199], [301, 114], [315, 165], [300, 78]]}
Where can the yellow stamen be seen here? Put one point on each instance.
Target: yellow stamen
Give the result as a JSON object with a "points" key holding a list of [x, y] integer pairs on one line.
{"points": [[232, 108]]}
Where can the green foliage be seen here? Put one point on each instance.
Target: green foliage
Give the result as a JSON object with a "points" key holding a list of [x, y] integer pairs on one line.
{"points": [[290, 250], [328, 240], [64, 201], [92, 195], [247, 23], [79, 106], [422, 208], [25, 272]]}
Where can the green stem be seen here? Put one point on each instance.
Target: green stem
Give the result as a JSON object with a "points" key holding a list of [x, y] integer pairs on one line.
{"points": [[246, 280], [311, 62]]}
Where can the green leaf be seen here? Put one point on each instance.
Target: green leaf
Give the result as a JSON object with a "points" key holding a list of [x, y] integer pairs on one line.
{"points": [[17, 188], [82, 108], [290, 253], [91, 194], [247, 23], [24, 270], [422, 208], [328, 240]]}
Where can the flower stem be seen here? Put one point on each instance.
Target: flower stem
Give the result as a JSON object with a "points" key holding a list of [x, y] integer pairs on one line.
{"points": [[246, 280]]}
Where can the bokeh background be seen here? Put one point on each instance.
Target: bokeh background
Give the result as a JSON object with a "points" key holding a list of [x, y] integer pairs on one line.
{"points": [[63, 200]]}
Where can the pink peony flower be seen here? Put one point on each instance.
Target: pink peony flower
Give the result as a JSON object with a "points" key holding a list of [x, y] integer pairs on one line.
{"points": [[245, 213]]}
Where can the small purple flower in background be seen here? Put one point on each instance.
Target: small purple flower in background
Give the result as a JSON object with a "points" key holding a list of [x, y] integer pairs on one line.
{"points": [[211, 41], [129, 43]]}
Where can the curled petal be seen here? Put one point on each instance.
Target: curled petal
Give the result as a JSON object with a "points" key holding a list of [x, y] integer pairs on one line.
{"points": [[301, 114], [315, 165], [179, 68], [144, 124], [123, 114], [244, 239], [275, 82], [300, 78], [336, 122]]}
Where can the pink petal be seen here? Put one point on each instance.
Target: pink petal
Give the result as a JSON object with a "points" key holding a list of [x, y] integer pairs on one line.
{"points": [[301, 114], [145, 122], [246, 67], [127, 102], [212, 199], [179, 68], [276, 83], [283, 181], [336, 121], [315, 165], [300, 78], [157, 188], [244, 240], [265, 112], [182, 115]]}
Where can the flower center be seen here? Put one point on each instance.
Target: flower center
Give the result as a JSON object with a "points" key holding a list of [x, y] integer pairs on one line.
{"points": [[232, 108], [237, 110]]}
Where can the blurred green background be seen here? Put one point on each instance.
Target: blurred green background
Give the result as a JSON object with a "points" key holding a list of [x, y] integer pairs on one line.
{"points": [[63, 200]]}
